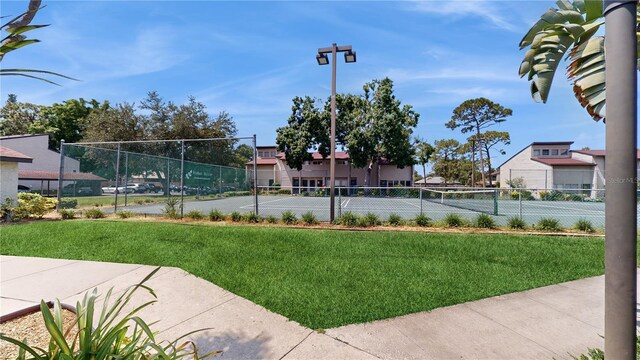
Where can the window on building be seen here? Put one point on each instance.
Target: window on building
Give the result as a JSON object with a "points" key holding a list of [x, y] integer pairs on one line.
{"points": [[383, 183], [260, 154], [554, 152], [545, 152], [536, 152], [273, 154], [564, 152], [317, 163], [341, 162]]}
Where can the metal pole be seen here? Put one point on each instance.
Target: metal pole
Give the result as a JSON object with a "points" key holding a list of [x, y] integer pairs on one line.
{"points": [[168, 188], [115, 192], [60, 175], [520, 203], [255, 174], [126, 176], [220, 179], [181, 178], [620, 202], [420, 200], [332, 169]]}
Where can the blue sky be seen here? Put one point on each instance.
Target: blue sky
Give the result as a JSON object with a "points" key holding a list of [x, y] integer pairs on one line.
{"points": [[251, 58]]}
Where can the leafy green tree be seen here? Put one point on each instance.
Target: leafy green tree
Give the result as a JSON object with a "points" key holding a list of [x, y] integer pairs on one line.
{"points": [[570, 29], [476, 115], [69, 118], [491, 141], [382, 128], [304, 130], [424, 154], [17, 118], [447, 160], [17, 27], [370, 127]]}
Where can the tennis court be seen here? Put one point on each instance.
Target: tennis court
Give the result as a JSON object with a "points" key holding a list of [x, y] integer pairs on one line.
{"points": [[406, 204]]}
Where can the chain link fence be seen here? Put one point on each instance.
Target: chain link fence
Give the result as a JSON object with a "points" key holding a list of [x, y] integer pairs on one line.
{"points": [[155, 177]]}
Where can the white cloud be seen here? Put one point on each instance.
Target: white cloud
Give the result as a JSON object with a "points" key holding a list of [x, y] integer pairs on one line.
{"points": [[461, 9]]}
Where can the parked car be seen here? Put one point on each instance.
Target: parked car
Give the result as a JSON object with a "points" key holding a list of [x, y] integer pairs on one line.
{"points": [[152, 188], [138, 188], [119, 190], [23, 188]]}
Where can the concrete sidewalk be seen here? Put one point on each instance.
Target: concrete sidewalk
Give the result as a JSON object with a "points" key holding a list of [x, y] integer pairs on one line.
{"points": [[548, 322]]}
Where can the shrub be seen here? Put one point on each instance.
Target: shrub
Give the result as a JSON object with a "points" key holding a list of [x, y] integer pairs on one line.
{"points": [[216, 215], [548, 224], [121, 335], [94, 214], [237, 193], [32, 205], [284, 191], [289, 217], [125, 214], [516, 223], [195, 215], [235, 216], [6, 209], [347, 219], [251, 218], [395, 220], [584, 225], [423, 220], [271, 219], [453, 220], [485, 221], [172, 209], [66, 203], [309, 218], [66, 214], [368, 220]]}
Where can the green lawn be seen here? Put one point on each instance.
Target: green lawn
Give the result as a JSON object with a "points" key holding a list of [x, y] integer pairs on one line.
{"points": [[324, 278], [90, 201]]}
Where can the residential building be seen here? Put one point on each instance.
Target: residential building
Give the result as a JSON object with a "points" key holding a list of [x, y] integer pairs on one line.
{"points": [[42, 173], [9, 161], [553, 165], [273, 169]]}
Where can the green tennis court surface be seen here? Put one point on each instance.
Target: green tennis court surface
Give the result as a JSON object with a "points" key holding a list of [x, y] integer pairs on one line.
{"points": [[567, 212]]}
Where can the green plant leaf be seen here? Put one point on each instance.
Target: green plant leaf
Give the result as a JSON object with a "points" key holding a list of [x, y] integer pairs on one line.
{"points": [[52, 328], [22, 29], [21, 345], [593, 9]]}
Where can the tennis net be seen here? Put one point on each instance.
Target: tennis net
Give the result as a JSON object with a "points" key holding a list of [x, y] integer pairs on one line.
{"points": [[484, 201]]}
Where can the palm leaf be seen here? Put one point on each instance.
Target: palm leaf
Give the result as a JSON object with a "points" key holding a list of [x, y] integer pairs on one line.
{"points": [[587, 71]]}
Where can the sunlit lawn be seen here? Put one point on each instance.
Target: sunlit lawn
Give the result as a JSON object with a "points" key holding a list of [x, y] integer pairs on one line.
{"points": [[324, 278]]}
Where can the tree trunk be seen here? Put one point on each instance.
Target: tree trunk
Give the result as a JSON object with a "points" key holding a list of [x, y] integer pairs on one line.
{"points": [[489, 165], [424, 174], [481, 160]]}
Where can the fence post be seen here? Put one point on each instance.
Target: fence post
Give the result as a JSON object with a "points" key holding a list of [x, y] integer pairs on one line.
{"points": [[115, 192], [420, 201], [255, 174], [545, 180], [495, 202], [168, 188], [60, 175], [126, 176], [339, 202], [220, 179], [181, 178], [520, 203]]}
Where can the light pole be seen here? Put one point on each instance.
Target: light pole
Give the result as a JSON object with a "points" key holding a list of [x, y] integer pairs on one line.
{"points": [[323, 59]]}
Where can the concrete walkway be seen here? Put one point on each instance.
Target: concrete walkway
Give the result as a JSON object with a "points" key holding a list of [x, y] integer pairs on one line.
{"points": [[548, 322]]}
